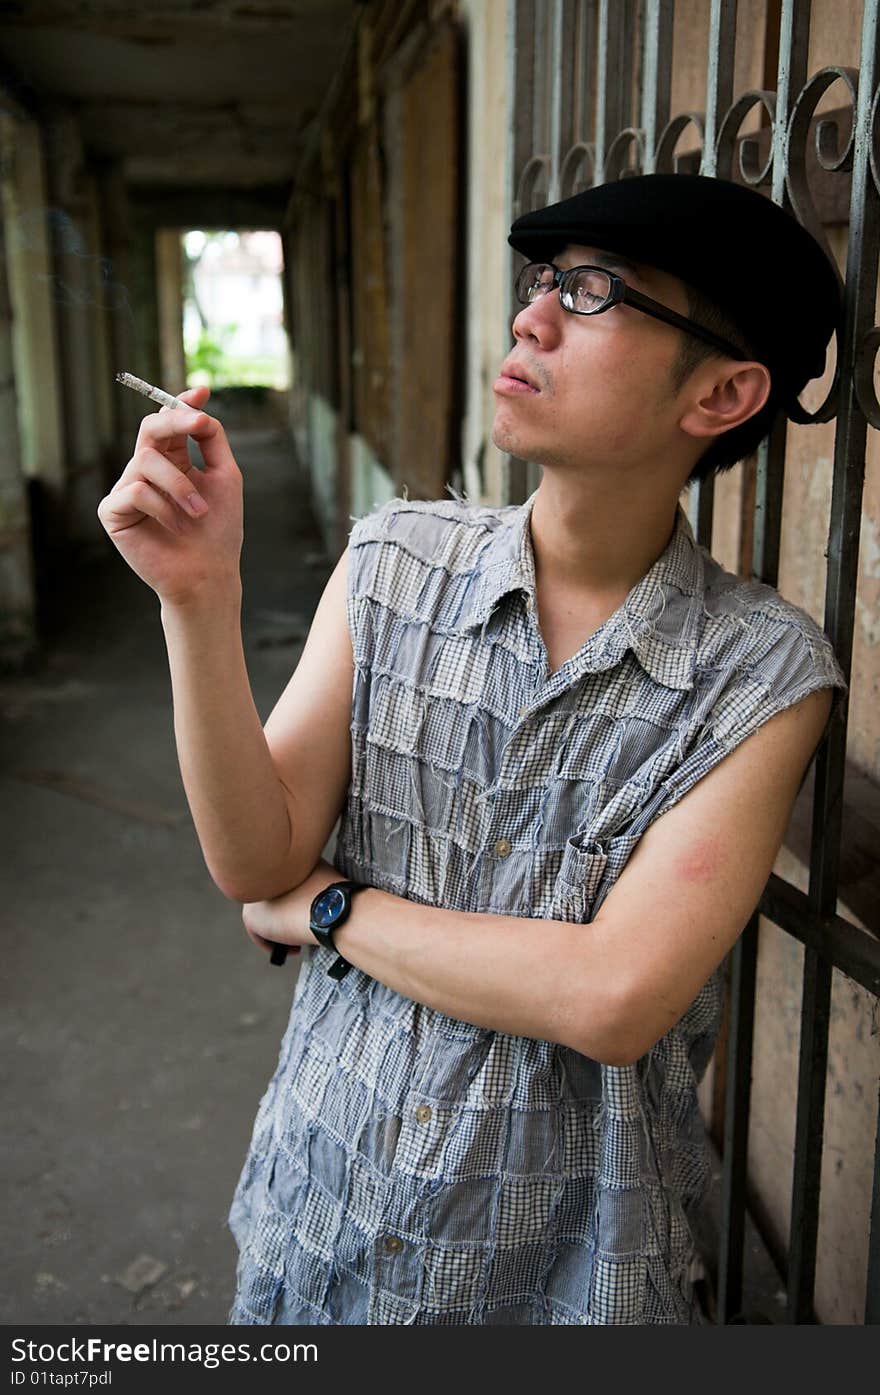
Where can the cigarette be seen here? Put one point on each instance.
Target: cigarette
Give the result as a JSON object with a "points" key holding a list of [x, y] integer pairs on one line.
{"points": [[147, 390]]}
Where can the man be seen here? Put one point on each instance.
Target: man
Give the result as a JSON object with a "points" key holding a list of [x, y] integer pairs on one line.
{"points": [[565, 745]]}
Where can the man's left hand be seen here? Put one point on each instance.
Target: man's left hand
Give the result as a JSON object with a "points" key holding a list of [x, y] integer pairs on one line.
{"points": [[285, 919]]}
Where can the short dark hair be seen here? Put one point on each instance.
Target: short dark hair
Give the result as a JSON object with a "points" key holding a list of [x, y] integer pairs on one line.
{"points": [[740, 441]]}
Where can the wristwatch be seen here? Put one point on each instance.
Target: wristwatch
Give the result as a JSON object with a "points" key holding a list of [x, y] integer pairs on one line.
{"points": [[328, 911]]}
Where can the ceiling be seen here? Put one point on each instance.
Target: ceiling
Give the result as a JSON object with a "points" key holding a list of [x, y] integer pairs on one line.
{"points": [[182, 91]]}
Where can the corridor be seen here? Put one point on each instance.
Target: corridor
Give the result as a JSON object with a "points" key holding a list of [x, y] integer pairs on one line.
{"points": [[140, 1025]]}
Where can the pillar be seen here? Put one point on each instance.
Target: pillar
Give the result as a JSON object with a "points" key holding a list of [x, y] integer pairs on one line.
{"points": [[169, 283], [17, 600]]}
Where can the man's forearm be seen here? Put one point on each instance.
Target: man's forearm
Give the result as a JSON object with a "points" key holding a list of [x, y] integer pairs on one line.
{"points": [[547, 979], [509, 973], [236, 798]]}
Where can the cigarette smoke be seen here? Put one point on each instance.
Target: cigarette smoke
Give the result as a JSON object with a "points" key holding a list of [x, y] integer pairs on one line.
{"points": [[52, 233]]}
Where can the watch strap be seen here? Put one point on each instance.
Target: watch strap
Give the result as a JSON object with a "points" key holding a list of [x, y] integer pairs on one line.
{"points": [[324, 934]]}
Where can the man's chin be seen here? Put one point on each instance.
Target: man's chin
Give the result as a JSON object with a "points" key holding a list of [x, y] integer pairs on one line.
{"points": [[507, 441]]}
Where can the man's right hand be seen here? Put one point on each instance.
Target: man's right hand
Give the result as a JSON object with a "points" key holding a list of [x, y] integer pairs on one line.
{"points": [[179, 528]]}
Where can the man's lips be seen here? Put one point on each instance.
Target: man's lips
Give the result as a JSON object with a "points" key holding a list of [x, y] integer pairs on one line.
{"points": [[512, 379]]}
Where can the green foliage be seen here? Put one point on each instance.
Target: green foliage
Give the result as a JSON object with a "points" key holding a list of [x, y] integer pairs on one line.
{"points": [[208, 359], [209, 363]]}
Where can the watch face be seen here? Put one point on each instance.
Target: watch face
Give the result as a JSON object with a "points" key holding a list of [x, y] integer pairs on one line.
{"points": [[328, 907]]}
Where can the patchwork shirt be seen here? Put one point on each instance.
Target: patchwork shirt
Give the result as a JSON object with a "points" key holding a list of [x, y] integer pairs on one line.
{"points": [[409, 1168]]}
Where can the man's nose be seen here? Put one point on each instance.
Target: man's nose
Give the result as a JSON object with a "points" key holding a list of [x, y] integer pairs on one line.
{"points": [[541, 319]]}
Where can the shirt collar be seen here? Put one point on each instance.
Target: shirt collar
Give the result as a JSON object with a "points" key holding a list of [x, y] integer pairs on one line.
{"points": [[658, 621]]}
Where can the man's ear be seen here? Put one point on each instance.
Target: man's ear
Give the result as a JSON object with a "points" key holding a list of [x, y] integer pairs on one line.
{"points": [[725, 398]]}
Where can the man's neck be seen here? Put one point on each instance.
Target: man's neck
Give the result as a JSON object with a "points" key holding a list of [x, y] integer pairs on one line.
{"points": [[596, 544]]}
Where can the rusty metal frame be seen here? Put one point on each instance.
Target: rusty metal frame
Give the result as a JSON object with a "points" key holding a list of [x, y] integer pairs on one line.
{"points": [[592, 81]]}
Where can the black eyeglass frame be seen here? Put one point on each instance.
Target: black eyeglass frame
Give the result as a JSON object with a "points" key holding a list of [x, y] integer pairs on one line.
{"points": [[620, 293]]}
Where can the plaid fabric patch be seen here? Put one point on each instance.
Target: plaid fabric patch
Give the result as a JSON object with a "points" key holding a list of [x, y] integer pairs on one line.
{"points": [[409, 1168]]}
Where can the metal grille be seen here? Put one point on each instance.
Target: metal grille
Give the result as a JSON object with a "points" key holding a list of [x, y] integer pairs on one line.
{"points": [[592, 84]]}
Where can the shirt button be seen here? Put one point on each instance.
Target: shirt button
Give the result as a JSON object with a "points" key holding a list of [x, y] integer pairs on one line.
{"points": [[393, 1244], [523, 712], [423, 1113], [503, 847], [530, 604]]}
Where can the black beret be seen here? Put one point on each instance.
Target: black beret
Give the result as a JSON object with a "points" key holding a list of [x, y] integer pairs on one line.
{"points": [[744, 252]]}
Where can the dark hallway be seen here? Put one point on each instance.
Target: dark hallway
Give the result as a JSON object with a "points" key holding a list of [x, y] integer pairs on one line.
{"points": [[140, 1024]]}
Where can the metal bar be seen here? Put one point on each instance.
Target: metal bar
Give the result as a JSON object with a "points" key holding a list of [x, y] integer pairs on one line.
{"points": [[854, 952], [701, 498], [540, 78], [809, 1132], [872, 1296], [627, 60], [744, 962], [521, 88], [560, 95], [581, 43], [719, 77], [719, 95], [794, 49], [769, 480], [656, 74], [846, 504], [609, 88]]}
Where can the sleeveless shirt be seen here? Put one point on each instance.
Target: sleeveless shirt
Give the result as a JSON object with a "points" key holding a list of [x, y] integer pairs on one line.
{"points": [[409, 1168]]}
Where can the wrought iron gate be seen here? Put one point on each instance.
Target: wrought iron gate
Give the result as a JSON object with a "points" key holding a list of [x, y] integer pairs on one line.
{"points": [[592, 82]]}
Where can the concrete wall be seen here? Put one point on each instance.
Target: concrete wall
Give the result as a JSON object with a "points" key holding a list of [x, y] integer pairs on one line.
{"points": [[29, 267], [75, 258], [169, 276], [321, 454], [17, 601], [143, 286], [488, 256], [371, 484], [98, 285], [117, 226]]}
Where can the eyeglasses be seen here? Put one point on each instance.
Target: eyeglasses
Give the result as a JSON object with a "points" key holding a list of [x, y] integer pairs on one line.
{"points": [[589, 290]]}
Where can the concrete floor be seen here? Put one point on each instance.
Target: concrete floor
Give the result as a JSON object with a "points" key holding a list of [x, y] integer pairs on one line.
{"points": [[140, 1026]]}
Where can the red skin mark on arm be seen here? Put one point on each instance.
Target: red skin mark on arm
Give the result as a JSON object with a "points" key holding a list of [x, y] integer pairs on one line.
{"points": [[700, 862]]}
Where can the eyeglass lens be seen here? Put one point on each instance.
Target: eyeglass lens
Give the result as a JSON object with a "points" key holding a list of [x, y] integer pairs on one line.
{"points": [[583, 291]]}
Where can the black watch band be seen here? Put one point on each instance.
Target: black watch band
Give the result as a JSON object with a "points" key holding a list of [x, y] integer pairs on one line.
{"points": [[325, 916]]}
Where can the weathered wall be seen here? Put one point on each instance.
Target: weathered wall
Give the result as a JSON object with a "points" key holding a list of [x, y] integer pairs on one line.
{"points": [[488, 256], [74, 259], [371, 484], [169, 282], [17, 620], [117, 237], [98, 286], [29, 264]]}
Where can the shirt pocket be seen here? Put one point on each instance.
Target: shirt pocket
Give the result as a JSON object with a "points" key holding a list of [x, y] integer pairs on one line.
{"points": [[578, 880], [590, 867]]}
